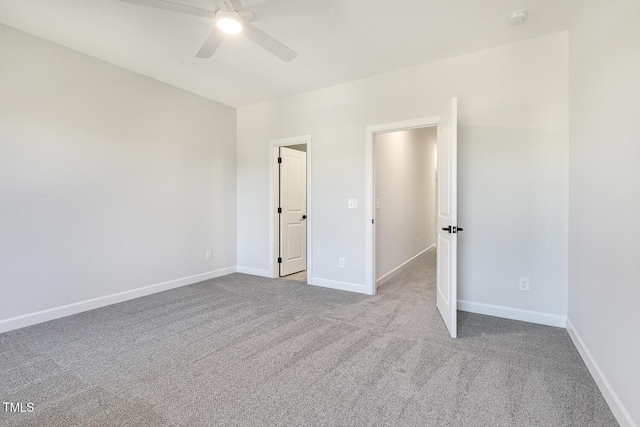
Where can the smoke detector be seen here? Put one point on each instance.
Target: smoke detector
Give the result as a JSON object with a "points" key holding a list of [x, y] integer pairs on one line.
{"points": [[518, 17]]}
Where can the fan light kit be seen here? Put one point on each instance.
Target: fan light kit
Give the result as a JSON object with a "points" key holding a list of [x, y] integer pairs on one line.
{"points": [[228, 22], [228, 17]]}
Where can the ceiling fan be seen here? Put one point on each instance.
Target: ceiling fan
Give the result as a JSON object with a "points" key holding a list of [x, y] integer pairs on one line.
{"points": [[230, 18]]}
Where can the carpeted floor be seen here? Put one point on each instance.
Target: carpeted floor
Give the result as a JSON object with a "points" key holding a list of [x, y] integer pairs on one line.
{"points": [[249, 351]]}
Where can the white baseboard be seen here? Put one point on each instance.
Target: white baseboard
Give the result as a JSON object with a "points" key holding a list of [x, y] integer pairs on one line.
{"points": [[254, 271], [91, 304], [513, 313], [618, 409], [384, 279], [341, 286]]}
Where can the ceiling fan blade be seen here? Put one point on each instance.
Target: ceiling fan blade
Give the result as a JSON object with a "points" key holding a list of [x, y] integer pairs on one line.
{"points": [[174, 7], [246, 15], [267, 42], [211, 44], [237, 5]]}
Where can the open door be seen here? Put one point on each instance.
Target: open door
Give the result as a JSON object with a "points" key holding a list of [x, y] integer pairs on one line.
{"points": [[447, 239], [293, 211]]}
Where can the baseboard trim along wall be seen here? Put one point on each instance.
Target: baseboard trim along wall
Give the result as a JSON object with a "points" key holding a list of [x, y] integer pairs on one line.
{"points": [[384, 279], [341, 286], [91, 304], [513, 313], [254, 271], [618, 409]]}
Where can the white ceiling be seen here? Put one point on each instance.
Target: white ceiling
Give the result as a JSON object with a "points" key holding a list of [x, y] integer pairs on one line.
{"points": [[337, 40]]}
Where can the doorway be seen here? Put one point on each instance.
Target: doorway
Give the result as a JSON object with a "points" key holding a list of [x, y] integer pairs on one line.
{"points": [[447, 217], [290, 209], [405, 198], [370, 202]]}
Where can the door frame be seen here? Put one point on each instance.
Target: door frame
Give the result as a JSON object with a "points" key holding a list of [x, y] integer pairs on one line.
{"points": [[274, 193], [370, 191]]}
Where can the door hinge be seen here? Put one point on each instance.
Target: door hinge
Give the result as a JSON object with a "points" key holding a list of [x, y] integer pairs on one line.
{"points": [[279, 210], [279, 260], [279, 159]]}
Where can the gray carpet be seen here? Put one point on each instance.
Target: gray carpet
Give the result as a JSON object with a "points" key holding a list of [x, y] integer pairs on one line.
{"points": [[249, 351]]}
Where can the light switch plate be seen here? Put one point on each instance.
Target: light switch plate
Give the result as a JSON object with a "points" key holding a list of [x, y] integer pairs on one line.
{"points": [[353, 203]]}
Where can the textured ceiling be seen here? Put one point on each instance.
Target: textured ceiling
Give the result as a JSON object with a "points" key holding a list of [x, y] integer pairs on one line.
{"points": [[337, 40]]}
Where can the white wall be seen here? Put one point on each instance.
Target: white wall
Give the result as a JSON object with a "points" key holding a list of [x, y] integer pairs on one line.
{"points": [[512, 160], [109, 181], [604, 233], [405, 178]]}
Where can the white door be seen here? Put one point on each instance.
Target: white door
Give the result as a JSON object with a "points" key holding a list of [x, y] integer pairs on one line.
{"points": [[447, 239], [293, 207]]}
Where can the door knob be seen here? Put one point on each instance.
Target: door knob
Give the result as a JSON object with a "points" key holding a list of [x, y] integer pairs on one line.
{"points": [[304, 217], [453, 230]]}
